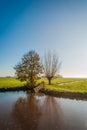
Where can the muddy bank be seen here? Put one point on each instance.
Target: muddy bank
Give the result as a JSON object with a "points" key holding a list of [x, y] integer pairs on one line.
{"points": [[71, 95], [35, 88], [22, 88]]}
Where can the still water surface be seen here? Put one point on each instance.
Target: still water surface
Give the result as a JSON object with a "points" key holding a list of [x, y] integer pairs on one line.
{"points": [[25, 111]]}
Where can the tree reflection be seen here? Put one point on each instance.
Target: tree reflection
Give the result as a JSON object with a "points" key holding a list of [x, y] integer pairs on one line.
{"points": [[39, 112], [27, 113], [51, 115], [31, 113]]}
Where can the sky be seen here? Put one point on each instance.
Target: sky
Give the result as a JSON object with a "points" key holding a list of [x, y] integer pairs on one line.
{"points": [[40, 25]]}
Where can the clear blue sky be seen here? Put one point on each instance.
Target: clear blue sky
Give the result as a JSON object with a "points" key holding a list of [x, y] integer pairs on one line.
{"points": [[59, 25]]}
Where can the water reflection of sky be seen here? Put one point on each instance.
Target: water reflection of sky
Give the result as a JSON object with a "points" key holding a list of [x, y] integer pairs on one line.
{"points": [[74, 113], [21, 110]]}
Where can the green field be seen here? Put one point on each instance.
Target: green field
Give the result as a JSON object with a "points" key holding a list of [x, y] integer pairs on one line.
{"points": [[76, 85], [10, 83], [68, 85], [58, 85]]}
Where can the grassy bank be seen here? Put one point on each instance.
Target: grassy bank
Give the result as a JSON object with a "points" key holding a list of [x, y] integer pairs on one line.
{"points": [[10, 83], [68, 85], [67, 88]]}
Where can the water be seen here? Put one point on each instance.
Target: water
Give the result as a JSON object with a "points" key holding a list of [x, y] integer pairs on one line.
{"points": [[25, 111]]}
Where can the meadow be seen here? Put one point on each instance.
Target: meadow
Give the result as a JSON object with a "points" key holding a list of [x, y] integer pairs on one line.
{"points": [[76, 85], [10, 83], [70, 85]]}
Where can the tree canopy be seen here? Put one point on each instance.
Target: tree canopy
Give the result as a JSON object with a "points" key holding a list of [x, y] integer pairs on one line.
{"points": [[29, 68]]}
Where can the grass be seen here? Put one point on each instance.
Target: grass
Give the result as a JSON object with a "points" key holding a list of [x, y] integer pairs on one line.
{"points": [[75, 85], [68, 85], [60, 80], [10, 83]]}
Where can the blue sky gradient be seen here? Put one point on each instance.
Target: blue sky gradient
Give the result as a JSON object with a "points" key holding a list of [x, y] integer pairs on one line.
{"points": [[59, 25]]}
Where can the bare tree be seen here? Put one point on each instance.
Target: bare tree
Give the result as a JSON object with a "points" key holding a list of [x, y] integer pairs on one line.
{"points": [[51, 65], [29, 68]]}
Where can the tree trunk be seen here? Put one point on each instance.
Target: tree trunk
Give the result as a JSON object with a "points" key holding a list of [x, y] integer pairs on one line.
{"points": [[49, 79]]}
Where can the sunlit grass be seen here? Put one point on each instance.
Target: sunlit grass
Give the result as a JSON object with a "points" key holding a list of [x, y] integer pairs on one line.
{"points": [[58, 84], [10, 82], [60, 80], [73, 85]]}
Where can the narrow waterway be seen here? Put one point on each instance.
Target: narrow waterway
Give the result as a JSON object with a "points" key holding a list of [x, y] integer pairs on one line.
{"points": [[25, 111]]}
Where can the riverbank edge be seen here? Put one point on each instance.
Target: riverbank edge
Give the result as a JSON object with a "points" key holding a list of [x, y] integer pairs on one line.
{"points": [[17, 88], [71, 95]]}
